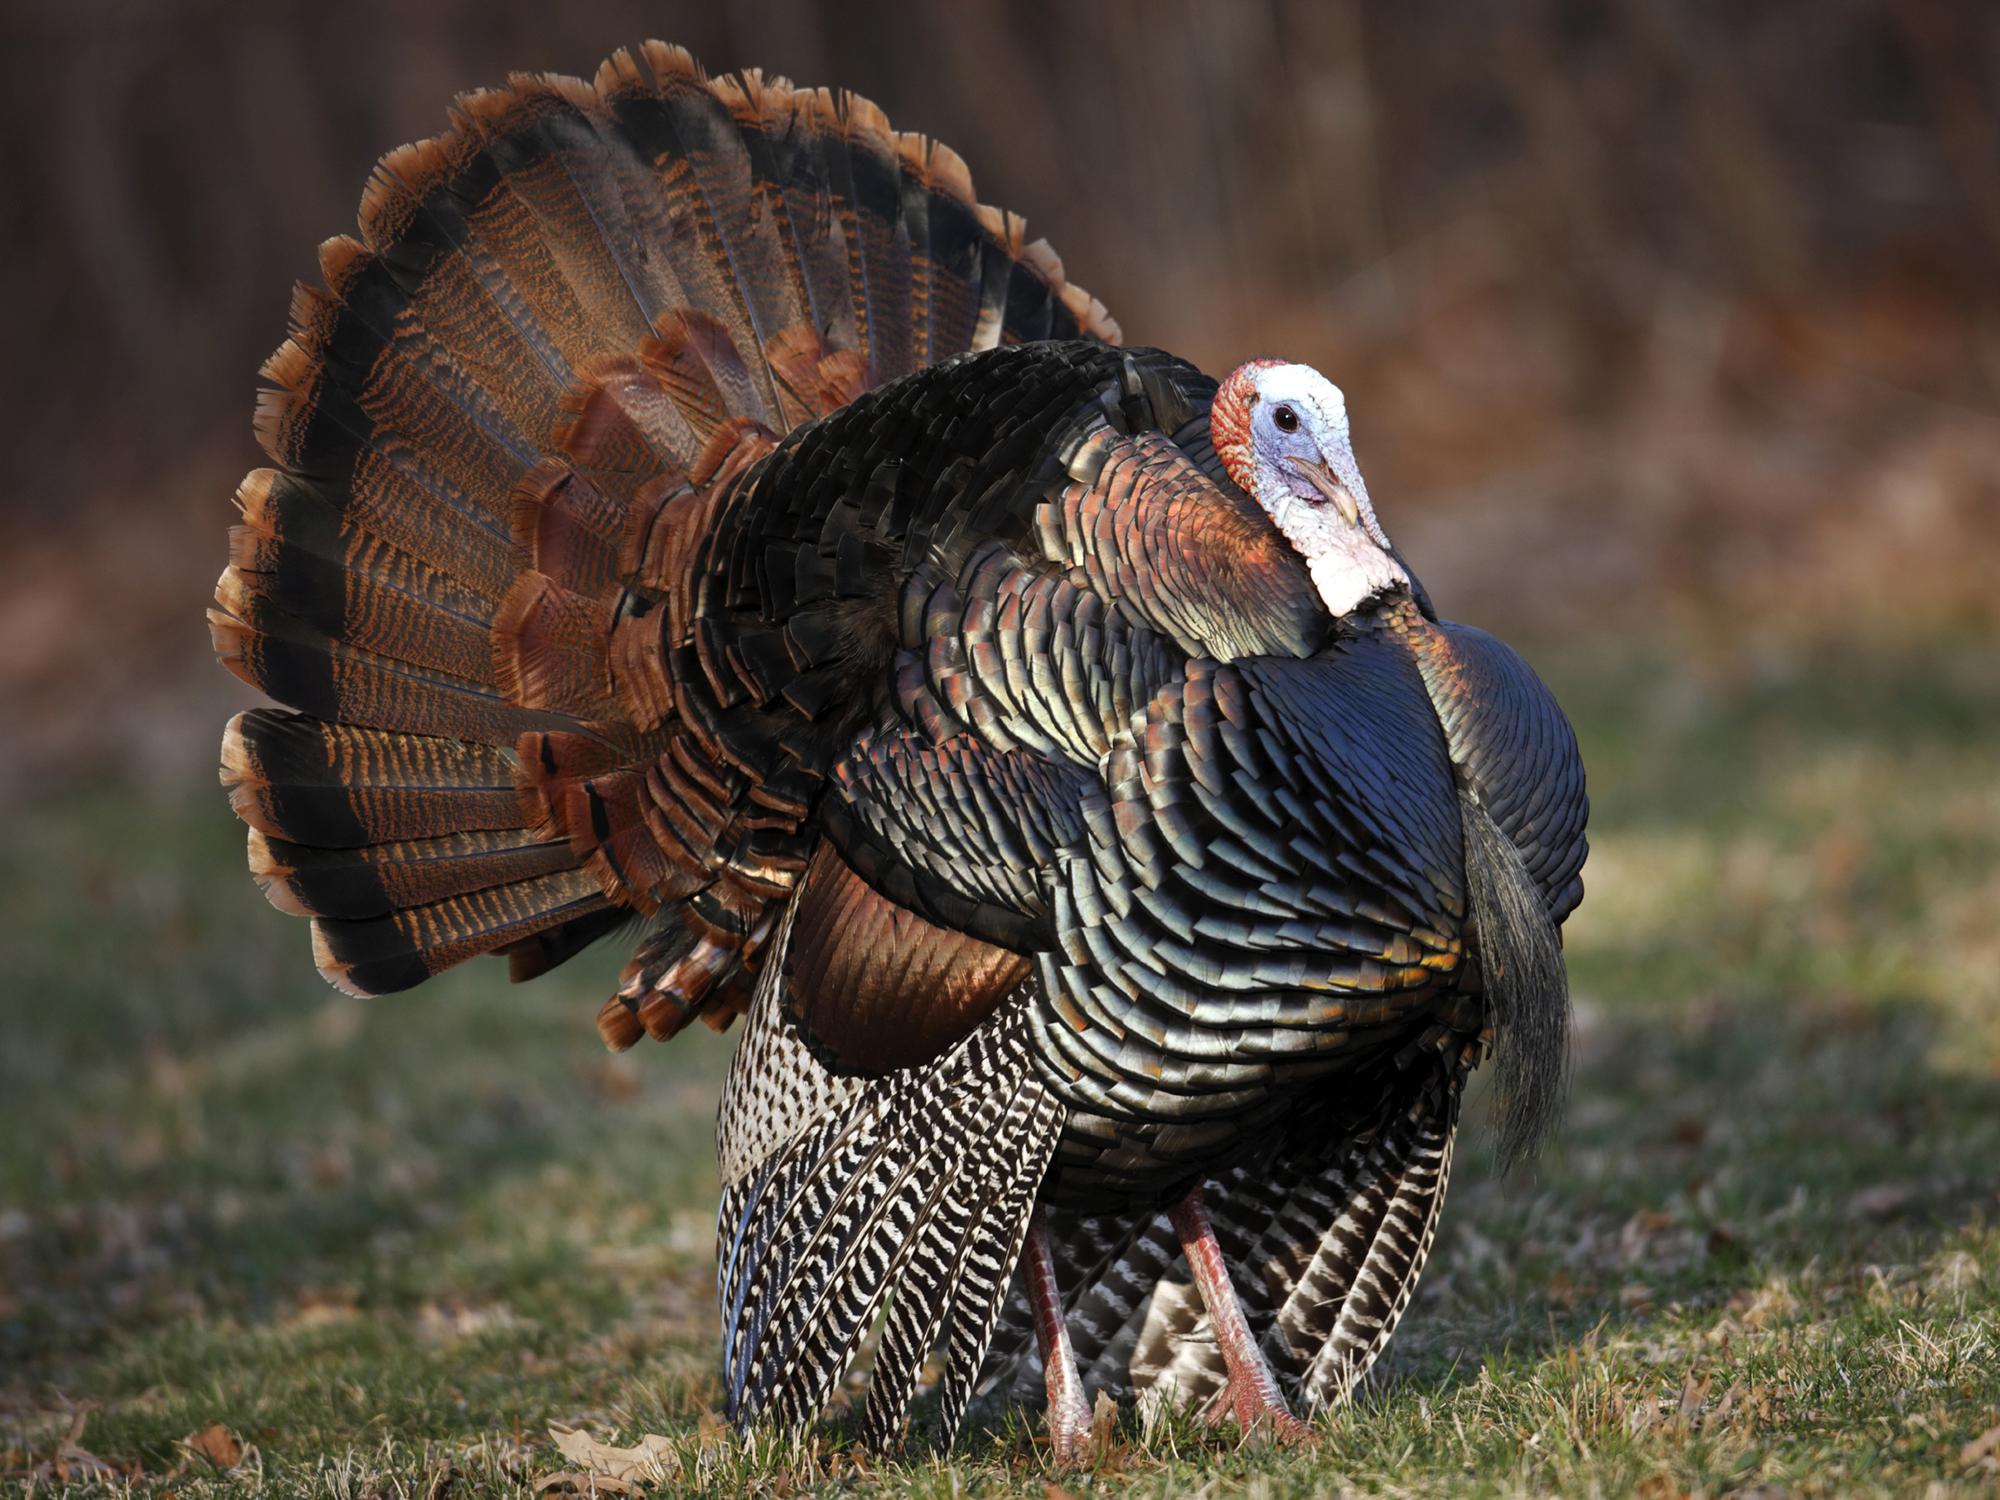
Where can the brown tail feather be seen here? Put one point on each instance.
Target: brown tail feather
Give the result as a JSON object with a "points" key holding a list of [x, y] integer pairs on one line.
{"points": [[501, 433], [378, 955], [378, 879], [336, 786]]}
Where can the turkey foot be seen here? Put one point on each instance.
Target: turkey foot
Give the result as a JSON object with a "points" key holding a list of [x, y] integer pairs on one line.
{"points": [[1252, 1392], [1069, 1413]]}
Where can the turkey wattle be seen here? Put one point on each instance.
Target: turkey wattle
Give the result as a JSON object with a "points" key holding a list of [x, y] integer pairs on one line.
{"points": [[691, 504]]}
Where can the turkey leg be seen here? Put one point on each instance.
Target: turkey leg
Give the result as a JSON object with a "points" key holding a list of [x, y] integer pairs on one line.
{"points": [[1252, 1390], [1069, 1413]]}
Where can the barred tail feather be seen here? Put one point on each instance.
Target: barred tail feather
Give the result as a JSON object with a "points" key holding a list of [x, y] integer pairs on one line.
{"points": [[913, 1192], [408, 851], [1369, 1257]]}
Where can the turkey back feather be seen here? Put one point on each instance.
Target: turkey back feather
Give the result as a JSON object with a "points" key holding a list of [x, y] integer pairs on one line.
{"points": [[499, 430]]}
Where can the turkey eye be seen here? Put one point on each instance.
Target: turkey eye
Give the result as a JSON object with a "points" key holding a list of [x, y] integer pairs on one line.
{"points": [[1286, 418]]}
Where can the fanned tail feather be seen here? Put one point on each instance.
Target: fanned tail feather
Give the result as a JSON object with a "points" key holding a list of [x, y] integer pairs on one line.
{"points": [[500, 431]]}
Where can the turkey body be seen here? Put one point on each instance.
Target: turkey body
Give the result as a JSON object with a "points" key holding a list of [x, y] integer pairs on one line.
{"points": [[690, 504]]}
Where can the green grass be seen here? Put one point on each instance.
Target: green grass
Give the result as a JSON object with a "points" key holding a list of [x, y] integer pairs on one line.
{"points": [[388, 1244]]}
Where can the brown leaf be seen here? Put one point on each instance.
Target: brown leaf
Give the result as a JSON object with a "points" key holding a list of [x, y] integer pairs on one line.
{"points": [[1688, 1130], [1986, 1445], [76, 1465], [1635, 1238], [652, 1460], [73, 1462], [613, 1078], [215, 1443]]}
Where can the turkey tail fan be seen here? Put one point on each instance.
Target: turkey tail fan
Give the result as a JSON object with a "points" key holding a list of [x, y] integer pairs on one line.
{"points": [[910, 1191], [498, 431], [407, 850], [1527, 986]]}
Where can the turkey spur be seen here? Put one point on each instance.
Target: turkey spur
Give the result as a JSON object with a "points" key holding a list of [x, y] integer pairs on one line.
{"points": [[690, 508]]}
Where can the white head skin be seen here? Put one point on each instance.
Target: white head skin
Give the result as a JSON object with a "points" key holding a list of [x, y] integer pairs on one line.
{"points": [[1281, 433]]}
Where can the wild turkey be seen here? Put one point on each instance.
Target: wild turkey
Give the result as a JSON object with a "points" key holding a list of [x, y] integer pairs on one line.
{"points": [[689, 505]]}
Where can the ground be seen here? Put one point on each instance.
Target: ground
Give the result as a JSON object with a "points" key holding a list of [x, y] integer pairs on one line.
{"points": [[384, 1246]]}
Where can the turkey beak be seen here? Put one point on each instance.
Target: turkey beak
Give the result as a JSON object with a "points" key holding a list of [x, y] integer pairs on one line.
{"points": [[1322, 478]]}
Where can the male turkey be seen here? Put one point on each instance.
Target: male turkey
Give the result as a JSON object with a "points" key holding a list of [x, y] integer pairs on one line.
{"points": [[690, 505]]}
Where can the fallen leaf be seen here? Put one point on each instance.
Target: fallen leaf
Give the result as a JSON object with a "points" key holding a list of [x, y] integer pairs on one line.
{"points": [[72, 1461], [711, 1426], [1986, 1445], [1639, 1231], [614, 1079], [215, 1443], [652, 1460], [318, 1307], [74, 1464]]}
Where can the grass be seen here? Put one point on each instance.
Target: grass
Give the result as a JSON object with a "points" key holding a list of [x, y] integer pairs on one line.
{"points": [[386, 1245]]}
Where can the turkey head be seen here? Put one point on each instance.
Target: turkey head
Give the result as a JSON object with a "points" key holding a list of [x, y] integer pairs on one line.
{"points": [[1282, 435]]}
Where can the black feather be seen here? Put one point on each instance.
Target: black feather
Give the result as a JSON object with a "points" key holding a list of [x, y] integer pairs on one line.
{"points": [[1521, 963]]}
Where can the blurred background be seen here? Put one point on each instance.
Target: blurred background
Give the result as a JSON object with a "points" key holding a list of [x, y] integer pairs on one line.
{"points": [[1653, 314], [1671, 333]]}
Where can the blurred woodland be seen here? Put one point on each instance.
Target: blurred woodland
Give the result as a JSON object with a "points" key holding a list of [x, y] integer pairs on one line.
{"points": [[1672, 318]]}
